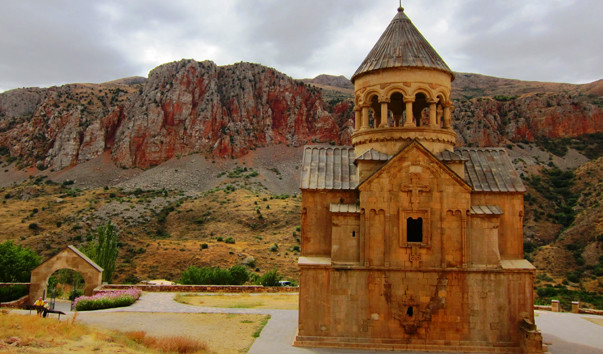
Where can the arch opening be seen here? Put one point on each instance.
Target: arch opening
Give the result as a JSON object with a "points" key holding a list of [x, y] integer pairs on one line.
{"points": [[397, 107], [414, 230], [66, 284], [419, 109]]}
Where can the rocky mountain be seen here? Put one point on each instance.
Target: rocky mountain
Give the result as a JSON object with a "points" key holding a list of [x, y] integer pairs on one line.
{"points": [[182, 108], [331, 81], [198, 107]]}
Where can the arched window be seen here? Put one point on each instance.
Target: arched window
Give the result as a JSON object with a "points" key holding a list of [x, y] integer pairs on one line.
{"points": [[414, 230]]}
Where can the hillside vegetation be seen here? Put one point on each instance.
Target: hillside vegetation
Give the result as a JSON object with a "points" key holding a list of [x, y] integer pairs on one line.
{"points": [[162, 232]]}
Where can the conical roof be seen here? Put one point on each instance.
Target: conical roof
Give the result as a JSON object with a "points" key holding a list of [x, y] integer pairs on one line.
{"points": [[402, 45]]}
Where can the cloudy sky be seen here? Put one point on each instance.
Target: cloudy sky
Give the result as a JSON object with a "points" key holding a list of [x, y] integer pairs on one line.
{"points": [[45, 43]]}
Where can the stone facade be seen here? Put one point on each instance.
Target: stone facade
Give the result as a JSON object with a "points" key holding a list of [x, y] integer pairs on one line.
{"points": [[409, 243]]}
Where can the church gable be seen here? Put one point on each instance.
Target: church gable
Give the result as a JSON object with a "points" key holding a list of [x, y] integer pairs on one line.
{"points": [[404, 203], [412, 160]]}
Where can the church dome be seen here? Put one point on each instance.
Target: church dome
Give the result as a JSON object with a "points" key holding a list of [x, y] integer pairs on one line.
{"points": [[402, 46], [402, 93]]}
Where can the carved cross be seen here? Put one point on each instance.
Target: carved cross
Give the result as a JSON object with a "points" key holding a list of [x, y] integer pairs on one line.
{"points": [[415, 188], [415, 256]]}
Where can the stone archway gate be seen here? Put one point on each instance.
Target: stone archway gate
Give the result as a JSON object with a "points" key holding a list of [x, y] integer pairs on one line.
{"points": [[69, 258]]}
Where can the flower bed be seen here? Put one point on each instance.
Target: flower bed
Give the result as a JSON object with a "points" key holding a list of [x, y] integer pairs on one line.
{"points": [[105, 300]]}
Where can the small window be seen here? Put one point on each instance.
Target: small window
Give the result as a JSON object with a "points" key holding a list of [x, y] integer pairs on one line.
{"points": [[414, 230]]}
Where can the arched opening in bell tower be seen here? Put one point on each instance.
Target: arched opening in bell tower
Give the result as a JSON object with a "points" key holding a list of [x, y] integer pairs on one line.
{"points": [[375, 111], [397, 107], [419, 110]]}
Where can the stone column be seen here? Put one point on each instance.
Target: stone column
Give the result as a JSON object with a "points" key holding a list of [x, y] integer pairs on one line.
{"points": [[575, 306], [365, 118], [447, 109], [409, 118], [439, 115], [555, 306], [432, 114], [357, 118], [384, 111]]}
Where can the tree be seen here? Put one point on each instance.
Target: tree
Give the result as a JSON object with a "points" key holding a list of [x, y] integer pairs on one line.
{"points": [[16, 263], [104, 250]]}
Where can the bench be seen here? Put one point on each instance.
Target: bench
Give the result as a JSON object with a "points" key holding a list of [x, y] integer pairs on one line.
{"points": [[44, 310]]}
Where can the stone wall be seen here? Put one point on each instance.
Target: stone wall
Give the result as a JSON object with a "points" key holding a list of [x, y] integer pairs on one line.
{"points": [[203, 288], [409, 309]]}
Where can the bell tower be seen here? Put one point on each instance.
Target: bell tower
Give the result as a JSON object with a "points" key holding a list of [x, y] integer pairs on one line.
{"points": [[402, 93]]}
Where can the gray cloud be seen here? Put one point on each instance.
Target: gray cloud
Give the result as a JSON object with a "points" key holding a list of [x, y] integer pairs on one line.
{"points": [[45, 43], [48, 43], [557, 41]]}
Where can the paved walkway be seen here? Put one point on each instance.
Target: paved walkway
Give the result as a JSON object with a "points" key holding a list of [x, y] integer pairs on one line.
{"points": [[563, 332]]}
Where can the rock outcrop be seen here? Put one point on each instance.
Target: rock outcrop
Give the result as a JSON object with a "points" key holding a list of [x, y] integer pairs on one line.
{"points": [[493, 122]]}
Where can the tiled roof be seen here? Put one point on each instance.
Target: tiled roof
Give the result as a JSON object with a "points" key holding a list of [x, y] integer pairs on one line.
{"points": [[490, 170], [446, 156], [373, 155], [332, 168], [486, 210], [328, 167], [401, 45], [344, 208]]}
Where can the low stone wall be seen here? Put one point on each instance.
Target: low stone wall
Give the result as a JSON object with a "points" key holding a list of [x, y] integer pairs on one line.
{"points": [[556, 307], [543, 308], [16, 304], [202, 288], [591, 312]]}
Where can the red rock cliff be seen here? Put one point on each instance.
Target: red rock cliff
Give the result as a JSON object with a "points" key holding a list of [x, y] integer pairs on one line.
{"points": [[184, 107], [198, 107]]}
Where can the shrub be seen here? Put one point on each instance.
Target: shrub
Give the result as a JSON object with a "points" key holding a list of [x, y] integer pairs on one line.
{"points": [[230, 240], [204, 246], [274, 248], [107, 300], [574, 277], [13, 292], [270, 278], [75, 293], [237, 275]]}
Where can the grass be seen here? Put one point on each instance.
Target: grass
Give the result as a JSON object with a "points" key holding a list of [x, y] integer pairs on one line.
{"points": [[597, 321], [32, 333], [178, 344], [262, 325], [257, 301], [222, 333]]}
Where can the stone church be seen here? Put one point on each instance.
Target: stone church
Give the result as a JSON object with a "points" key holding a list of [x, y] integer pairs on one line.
{"points": [[409, 242]]}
